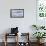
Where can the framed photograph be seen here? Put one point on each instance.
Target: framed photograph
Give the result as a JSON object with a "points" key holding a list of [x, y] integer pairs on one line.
{"points": [[17, 13]]}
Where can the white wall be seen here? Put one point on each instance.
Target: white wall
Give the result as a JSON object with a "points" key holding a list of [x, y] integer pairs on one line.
{"points": [[24, 24]]}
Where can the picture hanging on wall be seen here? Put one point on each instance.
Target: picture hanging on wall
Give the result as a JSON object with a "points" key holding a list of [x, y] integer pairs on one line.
{"points": [[16, 13]]}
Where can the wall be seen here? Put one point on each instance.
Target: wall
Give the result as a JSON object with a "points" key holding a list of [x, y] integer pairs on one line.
{"points": [[24, 24]]}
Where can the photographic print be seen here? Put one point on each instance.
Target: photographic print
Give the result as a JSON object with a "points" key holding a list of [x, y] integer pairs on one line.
{"points": [[17, 13]]}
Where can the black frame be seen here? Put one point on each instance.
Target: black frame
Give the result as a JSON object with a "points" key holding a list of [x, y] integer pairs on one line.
{"points": [[16, 10]]}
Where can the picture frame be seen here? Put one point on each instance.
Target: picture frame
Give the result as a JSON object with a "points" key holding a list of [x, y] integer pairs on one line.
{"points": [[16, 13]]}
